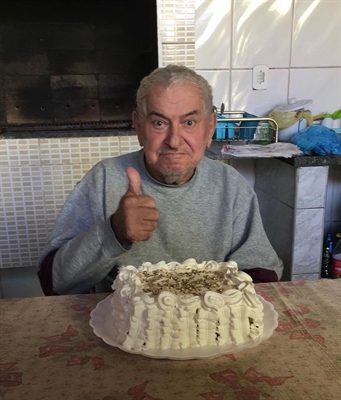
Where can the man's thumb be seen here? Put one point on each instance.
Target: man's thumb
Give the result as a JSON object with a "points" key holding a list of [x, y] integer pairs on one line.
{"points": [[134, 180]]}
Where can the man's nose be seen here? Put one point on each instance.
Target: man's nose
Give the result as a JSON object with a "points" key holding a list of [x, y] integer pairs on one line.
{"points": [[174, 136]]}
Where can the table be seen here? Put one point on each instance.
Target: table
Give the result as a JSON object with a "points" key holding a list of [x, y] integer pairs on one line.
{"points": [[49, 351]]}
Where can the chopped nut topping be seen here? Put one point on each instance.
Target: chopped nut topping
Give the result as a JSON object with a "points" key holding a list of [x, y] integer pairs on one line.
{"points": [[183, 281]]}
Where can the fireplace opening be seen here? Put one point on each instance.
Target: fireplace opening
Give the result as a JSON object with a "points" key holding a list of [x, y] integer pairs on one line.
{"points": [[75, 63]]}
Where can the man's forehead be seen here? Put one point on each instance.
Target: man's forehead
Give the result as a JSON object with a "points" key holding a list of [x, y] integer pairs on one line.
{"points": [[184, 94]]}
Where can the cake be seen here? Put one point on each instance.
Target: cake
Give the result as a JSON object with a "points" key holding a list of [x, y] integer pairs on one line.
{"points": [[184, 305]]}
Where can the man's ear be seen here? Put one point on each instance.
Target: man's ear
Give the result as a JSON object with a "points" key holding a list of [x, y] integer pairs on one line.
{"points": [[137, 126], [211, 128]]}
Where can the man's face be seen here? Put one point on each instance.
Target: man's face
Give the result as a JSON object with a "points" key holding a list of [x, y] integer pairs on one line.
{"points": [[175, 132]]}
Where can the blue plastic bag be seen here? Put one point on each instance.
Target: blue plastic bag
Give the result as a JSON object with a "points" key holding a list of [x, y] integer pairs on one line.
{"points": [[318, 139]]}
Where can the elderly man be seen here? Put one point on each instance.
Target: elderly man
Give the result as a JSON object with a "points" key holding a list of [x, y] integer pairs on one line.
{"points": [[165, 202]]}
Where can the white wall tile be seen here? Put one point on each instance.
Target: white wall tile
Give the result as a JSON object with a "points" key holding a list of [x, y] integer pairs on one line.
{"points": [[212, 34], [311, 187], [220, 82], [19, 152], [129, 144], [176, 20], [322, 85], [261, 33], [307, 241], [316, 33], [258, 102], [78, 150], [182, 54]]}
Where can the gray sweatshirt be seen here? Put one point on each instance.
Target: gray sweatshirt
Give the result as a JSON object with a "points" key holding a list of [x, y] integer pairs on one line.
{"points": [[214, 216]]}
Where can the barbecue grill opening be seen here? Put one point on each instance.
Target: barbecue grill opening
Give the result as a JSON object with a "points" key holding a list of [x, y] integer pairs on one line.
{"points": [[73, 65]]}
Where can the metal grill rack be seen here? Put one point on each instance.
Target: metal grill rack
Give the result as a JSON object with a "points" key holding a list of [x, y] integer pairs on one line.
{"points": [[234, 128]]}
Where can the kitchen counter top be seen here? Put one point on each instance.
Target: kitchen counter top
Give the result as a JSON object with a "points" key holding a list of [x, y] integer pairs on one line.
{"points": [[214, 152], [313, 161]]}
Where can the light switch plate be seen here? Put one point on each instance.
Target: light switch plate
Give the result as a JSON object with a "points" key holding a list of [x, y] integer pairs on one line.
{"points": [[260, 77]]}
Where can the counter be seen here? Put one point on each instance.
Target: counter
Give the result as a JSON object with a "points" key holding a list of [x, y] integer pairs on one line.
{"points": [[214, 152]]}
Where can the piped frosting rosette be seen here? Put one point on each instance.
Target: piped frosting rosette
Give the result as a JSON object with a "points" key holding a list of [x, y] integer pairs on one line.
{"points": [[128, 282], [215, 301], [167, 300]]}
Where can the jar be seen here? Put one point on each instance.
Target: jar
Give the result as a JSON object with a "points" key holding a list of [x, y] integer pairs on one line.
{"points": [[262, 131]]}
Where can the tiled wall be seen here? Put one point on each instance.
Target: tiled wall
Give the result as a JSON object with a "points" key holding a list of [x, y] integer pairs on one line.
{"points": [[221, 39], [176, 24], [36, 175], [300, 42]]}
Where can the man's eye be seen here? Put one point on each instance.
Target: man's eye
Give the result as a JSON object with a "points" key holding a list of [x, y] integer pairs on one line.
{"points": [[157, 123], [190, 122]]}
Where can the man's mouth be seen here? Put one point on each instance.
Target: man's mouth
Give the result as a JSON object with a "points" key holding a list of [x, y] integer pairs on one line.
{"points": [[174, 154]]}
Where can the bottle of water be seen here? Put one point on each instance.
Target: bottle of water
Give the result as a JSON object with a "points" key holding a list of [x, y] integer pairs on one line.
{"points": [[336, 259]]}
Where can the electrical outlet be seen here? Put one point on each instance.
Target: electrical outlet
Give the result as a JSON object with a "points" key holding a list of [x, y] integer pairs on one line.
{"points": [[260, 77]]}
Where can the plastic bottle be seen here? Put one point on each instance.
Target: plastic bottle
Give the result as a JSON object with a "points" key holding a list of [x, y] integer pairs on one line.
{"points": [[331, 247], [327, 121], [326, 265], [336, 259], [326, 269]]}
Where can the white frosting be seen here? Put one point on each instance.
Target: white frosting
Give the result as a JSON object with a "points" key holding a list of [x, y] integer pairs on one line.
{"points": [[144, 320]]}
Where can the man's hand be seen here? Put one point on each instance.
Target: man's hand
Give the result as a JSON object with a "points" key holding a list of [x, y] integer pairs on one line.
{"points": [[136, 217]]}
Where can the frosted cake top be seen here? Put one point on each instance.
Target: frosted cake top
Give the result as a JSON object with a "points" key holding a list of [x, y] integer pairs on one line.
{"points": [[183, 278]]}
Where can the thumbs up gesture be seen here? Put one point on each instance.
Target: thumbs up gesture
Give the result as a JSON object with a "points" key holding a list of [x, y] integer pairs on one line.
{"points": [[136, 216], [134, 181]]}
